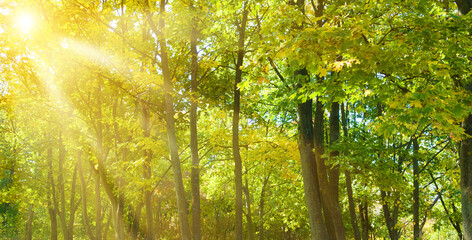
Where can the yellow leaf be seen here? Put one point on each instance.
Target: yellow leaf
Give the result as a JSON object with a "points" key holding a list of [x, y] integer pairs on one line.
{"points": [[322, 71]]}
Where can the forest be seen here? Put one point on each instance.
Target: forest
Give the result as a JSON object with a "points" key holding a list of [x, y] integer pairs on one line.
{"points": [[236, 119]]}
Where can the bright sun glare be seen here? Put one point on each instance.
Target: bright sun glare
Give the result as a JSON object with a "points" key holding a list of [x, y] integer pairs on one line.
{"points": [[25, 22]]}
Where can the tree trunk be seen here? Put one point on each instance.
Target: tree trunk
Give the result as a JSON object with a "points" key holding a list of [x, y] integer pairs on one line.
{"points": [[250, 226], [98, 208], [390, 218], [195, 174], [52, 197], [261, 207], [147, 173], [309, 168], [416, 192], [60, 185], [29, 224], [352, 207], [72, 205], [236, 107], [365, 225], [466, 179], [88, 230], [350, 195], [182, 204], [465, 156]]}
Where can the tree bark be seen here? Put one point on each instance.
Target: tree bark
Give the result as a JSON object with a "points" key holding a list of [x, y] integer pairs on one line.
{"points": [[29, 224], [466, 180], [350, 195], [309, 168], [147, 173], [88, 230], [416, 192], [250, 226], [236, 108], [261, 207], [52, 197], [465, 156], [365, 225], [182, 204], [195, 174]]}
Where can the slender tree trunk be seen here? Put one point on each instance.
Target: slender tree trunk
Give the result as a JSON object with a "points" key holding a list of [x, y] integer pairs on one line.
{"points": [[195, 174], [364, 213], [250, 226], [85, 217], [416, 192], [72, 205], [60, 186], [350, 195], [98, 208], [261, 207], [352, 207], [182, 204], [390, 217], [52, 197], [29, 224], [236, 107], [147, 173]]}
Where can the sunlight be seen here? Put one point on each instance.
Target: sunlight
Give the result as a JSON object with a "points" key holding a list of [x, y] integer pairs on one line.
{"points": [[25, 22]]}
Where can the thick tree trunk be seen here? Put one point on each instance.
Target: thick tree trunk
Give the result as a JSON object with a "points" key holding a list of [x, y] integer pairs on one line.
{"points": [[195, 174], [238, 174], [309, 168], [465, 156], [416, 192], [466, 180], [182, 204]]}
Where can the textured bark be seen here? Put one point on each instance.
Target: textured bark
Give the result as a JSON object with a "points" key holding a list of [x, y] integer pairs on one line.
{"points": [[195, 174], [238, 174], [309, 168], [465, 156], [182, 204], [416, 192], [466, 180]]}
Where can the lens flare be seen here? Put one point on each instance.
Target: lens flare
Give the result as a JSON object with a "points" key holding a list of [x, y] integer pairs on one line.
{"points": [[25, 22]]}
